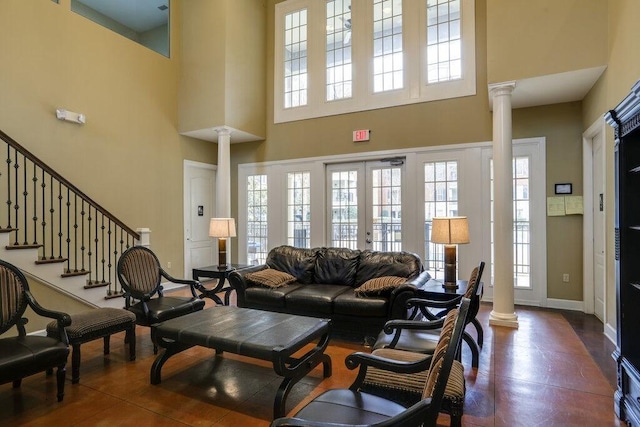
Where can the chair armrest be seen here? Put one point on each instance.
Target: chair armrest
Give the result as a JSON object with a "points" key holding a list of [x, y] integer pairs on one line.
{"points": [[193, 284], [360, 358], [398, 324], [423, 306], [63, 319]]}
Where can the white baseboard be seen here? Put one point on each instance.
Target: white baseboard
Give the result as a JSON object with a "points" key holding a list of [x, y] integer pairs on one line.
{"points": [[565, 304], [611, 333]]}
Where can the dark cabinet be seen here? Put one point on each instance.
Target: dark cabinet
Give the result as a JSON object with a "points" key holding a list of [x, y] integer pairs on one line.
{"points": [[625, 119]]}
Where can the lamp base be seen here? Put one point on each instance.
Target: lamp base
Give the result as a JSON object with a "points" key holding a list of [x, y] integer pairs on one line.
{"points": [[222, 253], [450, 286]]}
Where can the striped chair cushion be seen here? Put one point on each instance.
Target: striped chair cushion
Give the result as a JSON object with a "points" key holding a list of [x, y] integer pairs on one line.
{"points": [[141, 271], [12, 299]]}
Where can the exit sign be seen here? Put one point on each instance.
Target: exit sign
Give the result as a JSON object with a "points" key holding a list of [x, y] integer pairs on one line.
{"points": [[361, 135]]}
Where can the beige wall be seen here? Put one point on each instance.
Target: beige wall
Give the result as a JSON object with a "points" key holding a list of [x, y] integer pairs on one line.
{"points": [[535, 38], [128, 156]]}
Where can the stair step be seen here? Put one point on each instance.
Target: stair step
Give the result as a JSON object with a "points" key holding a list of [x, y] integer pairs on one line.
{"points": [[7, 230], [21, 246], [69, 273], [51, 260], [95, 284], [114, 295]]}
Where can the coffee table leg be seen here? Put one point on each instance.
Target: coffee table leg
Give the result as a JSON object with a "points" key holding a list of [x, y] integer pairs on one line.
{"points": [[294, 369], [171, 348]]}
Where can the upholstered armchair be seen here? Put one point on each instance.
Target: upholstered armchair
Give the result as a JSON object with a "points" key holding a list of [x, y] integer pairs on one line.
{"points": [[24, 355], [354, 407], [140, 275]]}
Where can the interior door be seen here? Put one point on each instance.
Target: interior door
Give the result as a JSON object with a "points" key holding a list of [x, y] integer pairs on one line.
{"points": [[199, 192], [365, 205], [598, 229]]}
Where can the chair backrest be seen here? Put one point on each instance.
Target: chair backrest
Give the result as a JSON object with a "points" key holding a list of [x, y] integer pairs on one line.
{"points": [[139, 272], [13, 298], [442, 360], [472, 290]]}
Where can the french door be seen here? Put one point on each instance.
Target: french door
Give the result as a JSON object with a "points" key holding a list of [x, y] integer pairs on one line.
{"points": [[364, 202]]}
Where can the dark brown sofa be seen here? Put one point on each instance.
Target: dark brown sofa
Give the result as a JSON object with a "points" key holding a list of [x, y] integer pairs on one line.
{"points": [[326, 282]]}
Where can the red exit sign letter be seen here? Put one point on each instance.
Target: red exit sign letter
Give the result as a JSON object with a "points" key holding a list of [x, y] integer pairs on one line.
{"points": [[360, 135]]}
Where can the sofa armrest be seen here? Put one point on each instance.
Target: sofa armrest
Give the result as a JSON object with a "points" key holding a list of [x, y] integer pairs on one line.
{"points": [[239, 283], [401, 295]]}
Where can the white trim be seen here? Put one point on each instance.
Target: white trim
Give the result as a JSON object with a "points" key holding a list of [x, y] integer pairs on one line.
{"points": [[565, 304], [611, 333]]}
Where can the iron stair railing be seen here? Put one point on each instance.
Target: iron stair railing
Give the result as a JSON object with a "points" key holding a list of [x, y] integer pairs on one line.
{"points": [[46, 211]]}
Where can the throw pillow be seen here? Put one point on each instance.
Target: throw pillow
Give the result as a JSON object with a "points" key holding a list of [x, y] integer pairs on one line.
{"points": [[270, 278], [379, 285]]}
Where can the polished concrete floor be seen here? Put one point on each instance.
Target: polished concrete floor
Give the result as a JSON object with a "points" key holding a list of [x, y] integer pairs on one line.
{"points": [[554, 370]]}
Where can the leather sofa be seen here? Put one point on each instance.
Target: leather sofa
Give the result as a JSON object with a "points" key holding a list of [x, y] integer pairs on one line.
{"points": [[328, 283]]}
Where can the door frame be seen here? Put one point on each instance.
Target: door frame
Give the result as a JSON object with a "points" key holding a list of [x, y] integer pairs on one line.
{"points": [[190, 164], [588, 292]]}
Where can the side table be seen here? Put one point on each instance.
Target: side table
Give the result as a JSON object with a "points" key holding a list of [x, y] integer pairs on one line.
{"points": [[214, 272]]}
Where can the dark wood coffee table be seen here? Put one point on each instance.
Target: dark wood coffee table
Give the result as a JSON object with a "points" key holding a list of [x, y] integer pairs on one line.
{"points": [[259, 334]]}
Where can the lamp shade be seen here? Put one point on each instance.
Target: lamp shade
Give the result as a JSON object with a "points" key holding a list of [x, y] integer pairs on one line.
{"points": [[222, 227], [450, 230]]}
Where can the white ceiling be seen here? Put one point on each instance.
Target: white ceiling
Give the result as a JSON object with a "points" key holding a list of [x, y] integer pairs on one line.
{"points": [[139, 15], [553, 89]]}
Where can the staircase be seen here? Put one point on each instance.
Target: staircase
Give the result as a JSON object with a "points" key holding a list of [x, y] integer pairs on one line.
{"points": [[55, 233]]}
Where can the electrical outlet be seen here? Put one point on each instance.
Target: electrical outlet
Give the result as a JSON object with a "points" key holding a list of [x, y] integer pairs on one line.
{"points": [[169, 265], [565, 278]]}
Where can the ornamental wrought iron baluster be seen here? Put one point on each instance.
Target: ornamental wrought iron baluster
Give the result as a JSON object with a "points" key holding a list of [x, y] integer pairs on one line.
{"points": [[43, 185], [89, 252], [16, 207], [68, 230], [59, 216], [35, 202], [102, 260], [75, 233], [25, 193], [9, 202], [82, 241], [109, 265]]}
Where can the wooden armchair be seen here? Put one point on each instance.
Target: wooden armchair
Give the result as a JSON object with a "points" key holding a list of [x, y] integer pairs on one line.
{"points": [[24, 355], [416, 336], [354, 407], [140, 275]]}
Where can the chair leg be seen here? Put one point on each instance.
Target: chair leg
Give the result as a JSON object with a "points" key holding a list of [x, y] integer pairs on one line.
{"points": [[130, 337], [107, 344], [475, 351], [479, 330], [61, 378], [75, 363]]}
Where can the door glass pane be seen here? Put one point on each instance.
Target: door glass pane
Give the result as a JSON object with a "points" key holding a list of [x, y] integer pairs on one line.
{"points": [[386, 205], [344, 209], [521, 223], [440, 199], [299, 209], [257, 219]]}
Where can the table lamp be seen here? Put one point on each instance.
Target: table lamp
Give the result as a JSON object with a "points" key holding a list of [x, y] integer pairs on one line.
{"points": [[222, 228], [450, 231]]}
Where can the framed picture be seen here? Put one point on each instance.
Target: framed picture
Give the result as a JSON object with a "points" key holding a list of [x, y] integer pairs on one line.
{"points": [[564, 188]]}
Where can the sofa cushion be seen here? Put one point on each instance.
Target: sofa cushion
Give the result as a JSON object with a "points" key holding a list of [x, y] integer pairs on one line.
{"points": [[298, 262], [377, 264], [348, 303], [379, 286], [258, 296], [336, 266], [270, 278], [314, 298]]}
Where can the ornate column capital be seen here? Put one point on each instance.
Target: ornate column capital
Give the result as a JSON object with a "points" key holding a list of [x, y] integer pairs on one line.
{"points": [[501, 89]]}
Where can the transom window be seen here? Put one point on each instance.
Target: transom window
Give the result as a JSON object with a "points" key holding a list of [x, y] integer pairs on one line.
{"points": [[399, 60]]}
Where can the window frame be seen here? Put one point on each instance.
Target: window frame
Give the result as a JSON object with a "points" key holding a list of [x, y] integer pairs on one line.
{"points": [[416, 87]]}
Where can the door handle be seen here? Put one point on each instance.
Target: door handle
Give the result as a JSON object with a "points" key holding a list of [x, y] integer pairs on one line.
{"points": [[368, 240]]}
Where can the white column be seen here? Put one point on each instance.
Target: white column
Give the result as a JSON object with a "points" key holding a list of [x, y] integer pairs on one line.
{"points": [[223, 174], [503, 312]]}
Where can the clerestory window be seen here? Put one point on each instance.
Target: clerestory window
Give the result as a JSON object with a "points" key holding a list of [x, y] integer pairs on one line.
{"points": [[340, 56]]}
